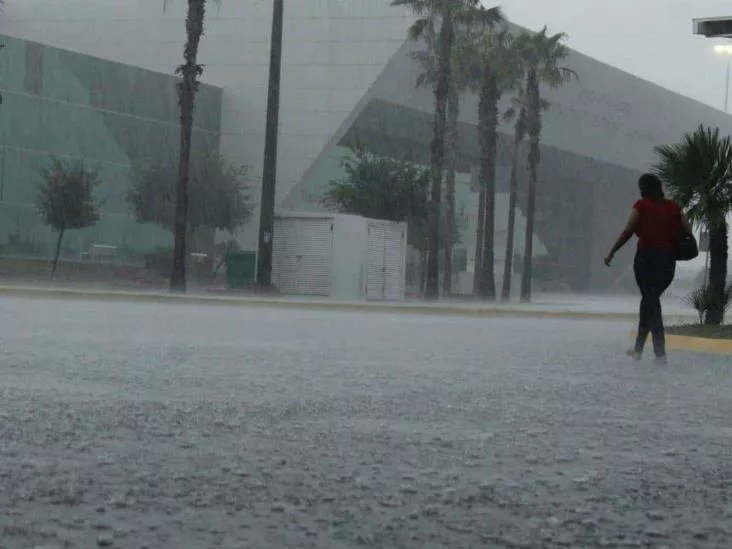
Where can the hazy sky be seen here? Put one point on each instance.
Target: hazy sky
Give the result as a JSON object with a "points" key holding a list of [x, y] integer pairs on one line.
{"points": [[650, 38]]}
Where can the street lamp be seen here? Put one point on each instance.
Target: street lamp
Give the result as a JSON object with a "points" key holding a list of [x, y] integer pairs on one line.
{"points": [[713, 27], [725, 49], [716, 27]]}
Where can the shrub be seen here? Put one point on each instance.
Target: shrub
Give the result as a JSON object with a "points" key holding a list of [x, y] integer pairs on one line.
{"points": [[701, 300]]}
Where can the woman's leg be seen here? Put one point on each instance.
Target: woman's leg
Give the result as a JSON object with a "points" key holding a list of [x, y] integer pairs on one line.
{"points": [[656, 322], [641, 278], [664, 275], [644, 326]]}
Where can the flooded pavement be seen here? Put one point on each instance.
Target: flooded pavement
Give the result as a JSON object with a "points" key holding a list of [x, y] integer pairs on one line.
{"points": [[137, 425]]}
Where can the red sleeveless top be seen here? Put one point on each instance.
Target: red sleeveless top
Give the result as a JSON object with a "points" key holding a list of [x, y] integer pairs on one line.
{"points": [[658, 225]]}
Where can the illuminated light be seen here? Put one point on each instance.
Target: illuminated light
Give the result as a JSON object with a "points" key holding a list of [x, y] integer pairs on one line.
{"points": [[723, 49]]}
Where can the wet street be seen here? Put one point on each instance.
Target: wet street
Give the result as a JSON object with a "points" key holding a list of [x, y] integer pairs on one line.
{"points": [[132, 425]]}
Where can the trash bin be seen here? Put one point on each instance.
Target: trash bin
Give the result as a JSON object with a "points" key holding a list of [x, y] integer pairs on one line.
{"points": [[240, 270]]}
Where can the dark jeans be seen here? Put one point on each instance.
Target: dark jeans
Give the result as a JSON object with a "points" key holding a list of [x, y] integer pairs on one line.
{"points": [[654, 271]]}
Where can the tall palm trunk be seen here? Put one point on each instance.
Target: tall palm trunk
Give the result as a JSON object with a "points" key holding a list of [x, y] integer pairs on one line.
{"points": [[422, 271], [718, 254], [512, 199], [187, 88], [488, 128], [533, 128], [57, 253], [432, 288], [527, 273], [479, 241], [451, 144]]}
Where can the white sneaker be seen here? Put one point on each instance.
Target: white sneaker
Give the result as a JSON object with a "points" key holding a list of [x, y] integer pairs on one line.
{"points": [[635, 355], [660, 361]]}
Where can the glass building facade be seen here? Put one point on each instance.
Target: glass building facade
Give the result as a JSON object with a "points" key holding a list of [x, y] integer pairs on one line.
{"points": [[115, 118]]}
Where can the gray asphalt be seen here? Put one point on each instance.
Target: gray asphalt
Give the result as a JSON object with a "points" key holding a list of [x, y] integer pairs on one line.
{"points": [[173, 426]]}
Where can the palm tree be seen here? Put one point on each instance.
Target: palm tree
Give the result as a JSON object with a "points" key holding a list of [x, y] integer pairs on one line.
{"points": [[189, 73], [517, 113], [462, 60], [2, 47], [430, 11], [698, 173], [542, 57], [451, 145], [448, 13], [495, 76]]}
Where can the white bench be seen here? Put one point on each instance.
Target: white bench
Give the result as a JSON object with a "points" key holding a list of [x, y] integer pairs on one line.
{"points": [[102, 253]]}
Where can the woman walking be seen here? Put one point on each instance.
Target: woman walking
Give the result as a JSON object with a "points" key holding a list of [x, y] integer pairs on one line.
{"points": [[656, 221]]}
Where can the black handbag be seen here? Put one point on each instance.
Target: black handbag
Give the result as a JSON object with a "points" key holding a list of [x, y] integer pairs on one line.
{"points": [[686, 246]]}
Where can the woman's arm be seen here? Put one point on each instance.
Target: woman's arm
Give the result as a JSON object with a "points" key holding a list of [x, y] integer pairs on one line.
{"points": [[686, 224], [628, 232]]}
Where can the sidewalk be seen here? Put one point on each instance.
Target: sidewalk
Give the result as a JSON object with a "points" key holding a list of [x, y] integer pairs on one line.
{"points": [[543, 306]]}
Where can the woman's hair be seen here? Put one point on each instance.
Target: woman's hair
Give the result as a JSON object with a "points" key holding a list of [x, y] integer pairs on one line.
{"points": [[650, 187]]}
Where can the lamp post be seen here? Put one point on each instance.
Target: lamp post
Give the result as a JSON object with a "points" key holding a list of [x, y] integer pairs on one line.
{"points": [[726, 50], [716, 27], [269, 172]]}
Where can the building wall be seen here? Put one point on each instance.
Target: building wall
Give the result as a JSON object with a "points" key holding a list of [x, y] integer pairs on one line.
{"points": [[334, 50], [114, 117]]}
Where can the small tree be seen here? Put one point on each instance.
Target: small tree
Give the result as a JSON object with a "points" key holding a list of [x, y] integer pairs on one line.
{"points": [[66, 199], [219, 195], [380, 187]]}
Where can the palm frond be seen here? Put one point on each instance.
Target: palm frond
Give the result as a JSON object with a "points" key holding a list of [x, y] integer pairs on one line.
{"points": [[485, 18], [697, 172], [509, 114], [418, 7], [467, 59], [425, 79], [494, 52], [567, 74], [544, 53], [556, 77], [427, 63], [420, 29]]}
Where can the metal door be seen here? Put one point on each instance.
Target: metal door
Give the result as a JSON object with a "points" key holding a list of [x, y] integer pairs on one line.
{"points": [[394, 262], [315, 256], [375, 267]]}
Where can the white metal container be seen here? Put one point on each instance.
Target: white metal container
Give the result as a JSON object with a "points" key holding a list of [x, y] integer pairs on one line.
{"points": [[345, 257]]}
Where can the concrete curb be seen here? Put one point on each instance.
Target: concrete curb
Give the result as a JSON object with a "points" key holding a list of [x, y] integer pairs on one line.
{"points": [[272, 303], [705, 345]]}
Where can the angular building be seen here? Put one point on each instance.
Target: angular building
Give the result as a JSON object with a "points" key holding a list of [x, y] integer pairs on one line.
{"points": [[348, 76]]}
